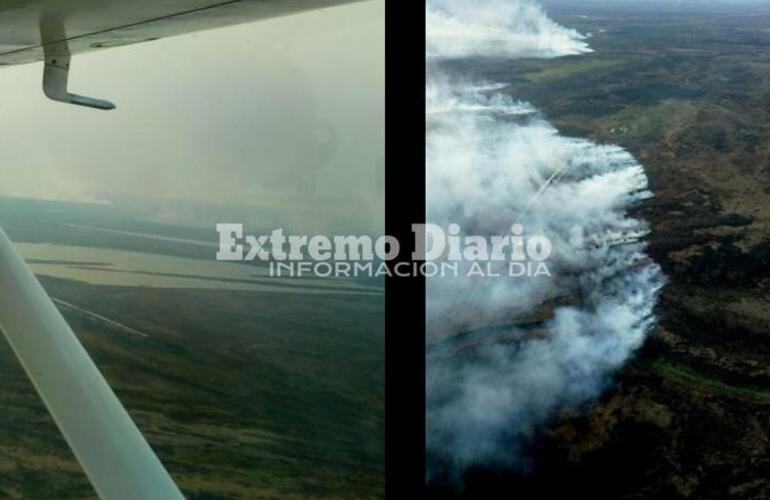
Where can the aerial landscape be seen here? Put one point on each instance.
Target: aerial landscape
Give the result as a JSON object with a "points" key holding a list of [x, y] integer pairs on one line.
{"points": [[632, 137], [683, 87], [246, 386], [243, 384]]}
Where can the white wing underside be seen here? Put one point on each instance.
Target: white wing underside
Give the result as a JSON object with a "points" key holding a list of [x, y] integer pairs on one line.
{"points": [[114, 454], [98, 24]]}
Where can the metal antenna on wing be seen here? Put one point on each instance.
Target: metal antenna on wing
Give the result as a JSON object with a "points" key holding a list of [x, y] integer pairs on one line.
{"points": [[57, 66]]}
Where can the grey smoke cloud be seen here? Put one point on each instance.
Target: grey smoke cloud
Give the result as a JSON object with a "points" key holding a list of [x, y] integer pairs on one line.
{"points": [[493, 161]]}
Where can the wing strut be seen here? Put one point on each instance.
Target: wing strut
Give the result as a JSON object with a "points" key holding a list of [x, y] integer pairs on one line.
{"points": [[57, 66], [113, 453]]}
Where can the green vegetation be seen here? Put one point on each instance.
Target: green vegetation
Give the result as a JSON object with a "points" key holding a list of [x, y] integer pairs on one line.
{"points": [[242, 394], [699, 381], [573, 68], [685, 91]]}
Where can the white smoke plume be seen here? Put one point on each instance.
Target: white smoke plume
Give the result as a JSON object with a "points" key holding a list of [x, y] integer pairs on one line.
{"points": [[507, 354], [459, 28]]}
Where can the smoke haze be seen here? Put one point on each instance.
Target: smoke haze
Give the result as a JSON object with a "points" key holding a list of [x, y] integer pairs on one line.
{"points": [[273, 116], [494, 161]]}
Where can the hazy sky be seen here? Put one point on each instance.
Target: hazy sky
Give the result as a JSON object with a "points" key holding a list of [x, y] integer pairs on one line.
{"points": [[280, 114]]}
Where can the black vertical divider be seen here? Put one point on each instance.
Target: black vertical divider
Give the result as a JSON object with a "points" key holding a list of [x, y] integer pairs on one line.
{"points": [[405, 205]]}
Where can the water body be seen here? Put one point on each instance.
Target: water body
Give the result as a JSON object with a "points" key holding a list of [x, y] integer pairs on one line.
{"points": [[111, 267]]}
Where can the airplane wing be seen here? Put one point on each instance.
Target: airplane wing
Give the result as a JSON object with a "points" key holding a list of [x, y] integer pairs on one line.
{"points": [[115, 456], [54, 30]]}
